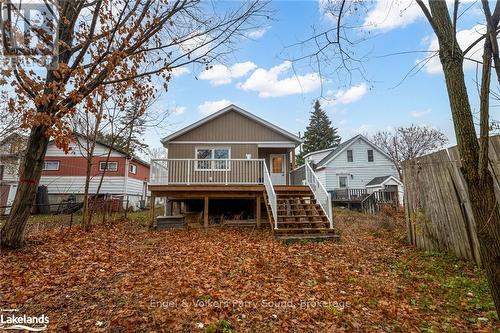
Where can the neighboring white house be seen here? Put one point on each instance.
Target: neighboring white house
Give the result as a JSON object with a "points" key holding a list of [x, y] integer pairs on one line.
{"points": [[355, 164]]}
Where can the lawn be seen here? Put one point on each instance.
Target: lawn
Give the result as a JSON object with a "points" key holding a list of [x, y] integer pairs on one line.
{"points": [[120, 277]]}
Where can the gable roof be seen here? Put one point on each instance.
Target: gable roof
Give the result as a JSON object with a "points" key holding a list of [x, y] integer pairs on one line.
{"points": [[319, 151], [239, 110], [337, 150], [344, 145], [382, 180]]}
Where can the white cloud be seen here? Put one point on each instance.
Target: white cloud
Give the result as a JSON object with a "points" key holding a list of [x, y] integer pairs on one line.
{"points": [[351, 95], [418, 114], [465, 38], [268, 84], [221, 74], [210, 107], [178, 110], [256, 34], [197, 46], [388, 15], [179, 71]]}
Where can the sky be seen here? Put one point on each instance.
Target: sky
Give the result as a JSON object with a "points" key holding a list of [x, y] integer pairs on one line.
{"points": [[259, 77]]}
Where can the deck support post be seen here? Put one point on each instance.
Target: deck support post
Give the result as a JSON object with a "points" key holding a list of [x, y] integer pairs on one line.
{"points": [[257, 210], [205, 212], [152, 223]]}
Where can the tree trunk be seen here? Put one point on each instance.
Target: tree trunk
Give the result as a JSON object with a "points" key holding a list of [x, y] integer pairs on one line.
{"points": [[12, 233], [480, 184], [86, 216]]}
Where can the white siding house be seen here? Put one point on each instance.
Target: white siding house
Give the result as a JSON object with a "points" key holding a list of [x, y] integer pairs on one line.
{"points": [[353, 165]]}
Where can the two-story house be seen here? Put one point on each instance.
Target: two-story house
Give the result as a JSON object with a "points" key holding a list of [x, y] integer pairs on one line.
{"points": [[355, 169]]}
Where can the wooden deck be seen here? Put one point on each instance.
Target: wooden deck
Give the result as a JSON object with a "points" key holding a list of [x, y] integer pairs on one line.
{"points": [[212, 191]]}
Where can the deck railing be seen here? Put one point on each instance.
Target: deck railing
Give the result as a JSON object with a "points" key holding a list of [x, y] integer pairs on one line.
{"points": [[320, 193], [349, 194], [271, 196], [213, 171]]}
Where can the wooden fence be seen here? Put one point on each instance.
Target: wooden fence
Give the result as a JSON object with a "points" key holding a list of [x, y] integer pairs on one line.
{"points": [[437, 206]]}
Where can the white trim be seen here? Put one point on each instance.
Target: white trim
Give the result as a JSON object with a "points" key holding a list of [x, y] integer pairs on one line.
{"points": [[212, 159], [346, 181], [107, 163], [231, 107], [354, 139], [134, 166], [274, 143], [347, 156], [319, 151], [368, 156], [51, 161]]}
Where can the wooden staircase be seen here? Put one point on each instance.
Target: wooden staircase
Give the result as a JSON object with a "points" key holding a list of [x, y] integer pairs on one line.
{"points": [[300, 216]]}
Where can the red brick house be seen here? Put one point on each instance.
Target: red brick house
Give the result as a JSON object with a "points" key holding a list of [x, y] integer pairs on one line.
{"points": [[124, 175]]}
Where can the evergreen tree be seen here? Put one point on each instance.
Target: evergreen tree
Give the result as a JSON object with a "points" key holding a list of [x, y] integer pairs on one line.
{"points": [[128, 130], [319, 134]]}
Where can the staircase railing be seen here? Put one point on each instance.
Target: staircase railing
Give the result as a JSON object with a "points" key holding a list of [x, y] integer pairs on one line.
{"points": [[271, 195], [320, 193], [369, 204]]}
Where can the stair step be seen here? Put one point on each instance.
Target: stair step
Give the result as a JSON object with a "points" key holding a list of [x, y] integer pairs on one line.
{"points": [[305, 222], [304, 230], [299, 216], [311, 237]]}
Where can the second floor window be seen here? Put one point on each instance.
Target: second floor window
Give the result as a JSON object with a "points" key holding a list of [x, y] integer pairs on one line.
{"points": [[132, 168], [51, 165], [370, 155], [215, 158], [108, 166], [349, 156]]}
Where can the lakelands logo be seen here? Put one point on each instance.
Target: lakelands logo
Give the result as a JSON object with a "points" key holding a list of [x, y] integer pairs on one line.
{"points": [[11, 320]]}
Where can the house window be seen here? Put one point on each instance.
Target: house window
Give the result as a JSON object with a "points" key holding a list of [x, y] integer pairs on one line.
{"points": [[132, 168], [342, 181], [51, 165], [216, 158], [349, 156], [1, 172], [370, 155], [108, 166]]}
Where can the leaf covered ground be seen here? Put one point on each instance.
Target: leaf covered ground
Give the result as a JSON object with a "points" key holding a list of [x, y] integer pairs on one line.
{"points": [[120, 277]]}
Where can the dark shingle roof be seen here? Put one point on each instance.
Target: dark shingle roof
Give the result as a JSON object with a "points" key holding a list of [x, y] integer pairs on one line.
{"points": [[377, 180], [336, 150]]}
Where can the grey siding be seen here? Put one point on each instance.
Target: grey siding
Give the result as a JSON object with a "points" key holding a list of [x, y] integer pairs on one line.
{"points": [[232, 126]]}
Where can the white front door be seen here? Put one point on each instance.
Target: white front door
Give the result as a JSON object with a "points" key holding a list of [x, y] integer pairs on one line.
{"points": [[278, 169]]}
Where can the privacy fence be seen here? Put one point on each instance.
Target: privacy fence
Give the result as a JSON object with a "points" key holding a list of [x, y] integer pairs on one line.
{"points": [[438, 211]]}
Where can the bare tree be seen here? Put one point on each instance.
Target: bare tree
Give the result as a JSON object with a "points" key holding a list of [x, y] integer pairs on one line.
{"points": [[102, 43], [406, 143], [335, 48]]}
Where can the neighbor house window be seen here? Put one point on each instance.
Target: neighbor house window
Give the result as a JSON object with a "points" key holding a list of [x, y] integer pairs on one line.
{"points": [[349, 156], [370, 155], [132, 168], [108, 166], [51, 165], [342, 181], [216, 158], [1, 172]]}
